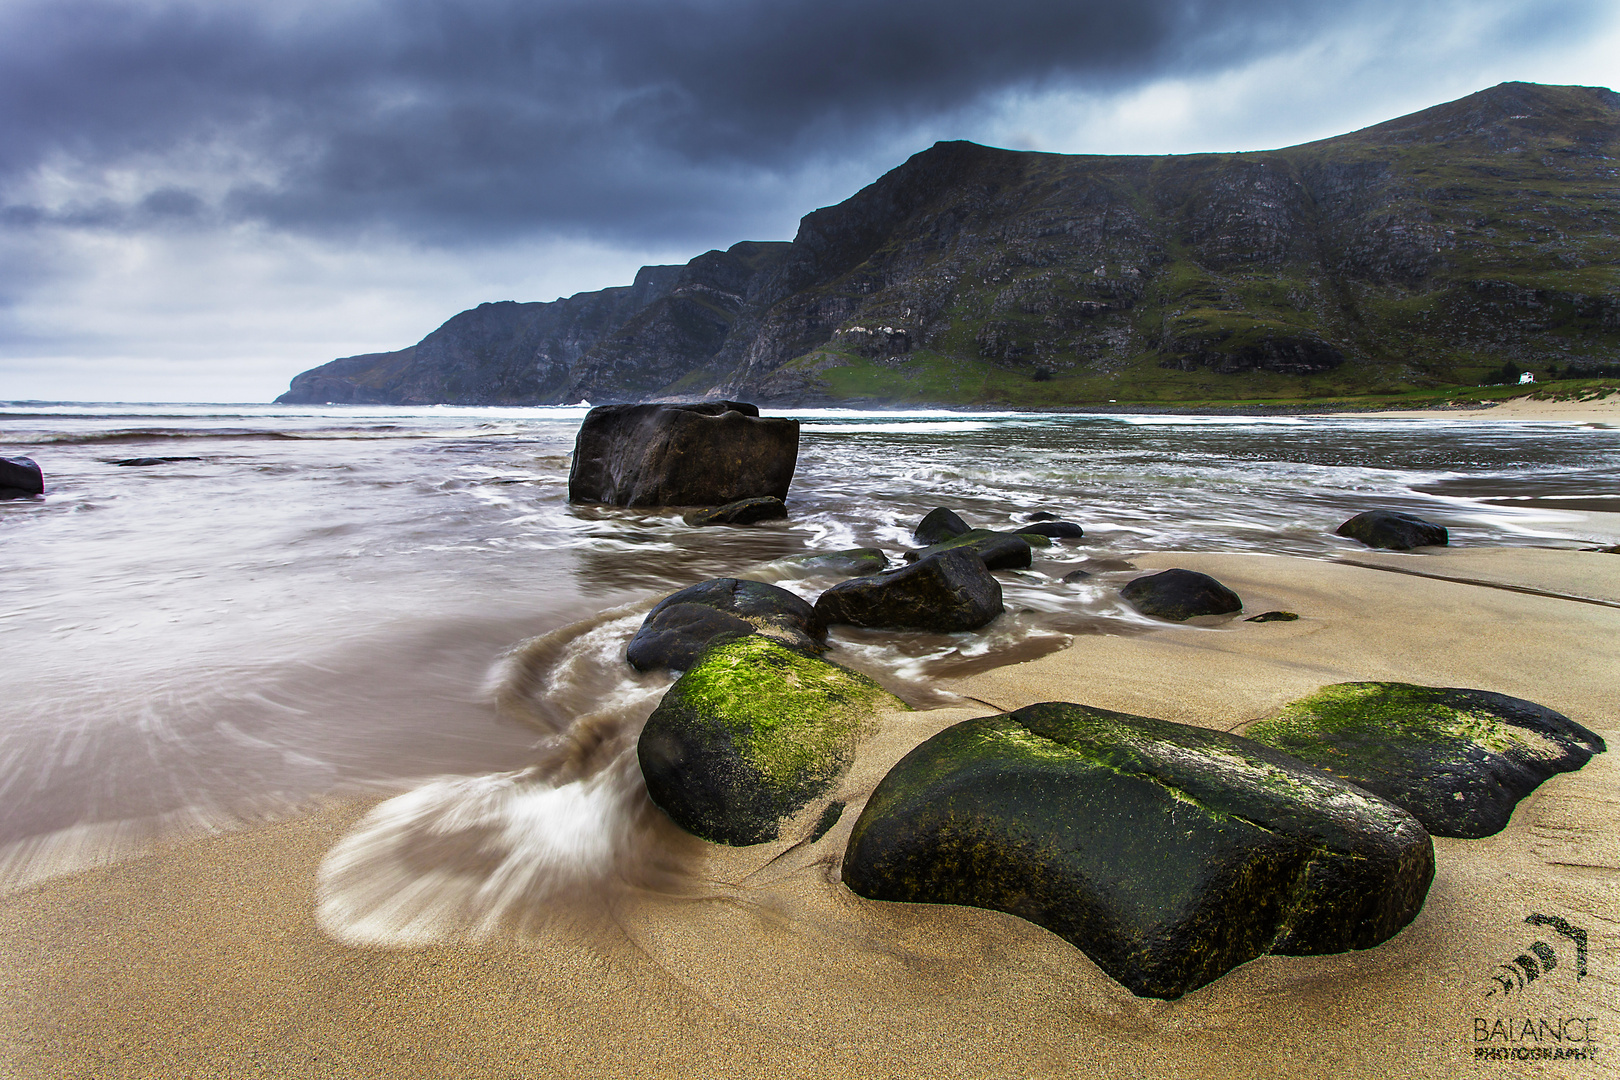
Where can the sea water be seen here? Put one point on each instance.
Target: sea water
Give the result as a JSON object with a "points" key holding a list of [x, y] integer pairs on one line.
{"points": [[219, 613]]}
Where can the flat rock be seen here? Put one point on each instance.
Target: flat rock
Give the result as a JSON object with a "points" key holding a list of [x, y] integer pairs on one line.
{"points": [[751, 735], [1394, 530], [945, 592], [1168, 854], [741, 512], [1057, 530], [1458, 760], [685, 623], [706, 454], [998, 551], [22, 476], [938, 524], [849, 562], [1179, 595]]}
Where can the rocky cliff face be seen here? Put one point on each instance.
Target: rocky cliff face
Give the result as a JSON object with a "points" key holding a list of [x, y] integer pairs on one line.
{"points": [[1429, 249]]}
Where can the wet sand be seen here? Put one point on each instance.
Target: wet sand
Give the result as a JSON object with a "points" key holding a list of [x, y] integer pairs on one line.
{"points": [[1604, 410], [206, 958]]}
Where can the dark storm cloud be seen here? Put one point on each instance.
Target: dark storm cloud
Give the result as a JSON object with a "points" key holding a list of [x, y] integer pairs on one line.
{"points": [[649, 118]]}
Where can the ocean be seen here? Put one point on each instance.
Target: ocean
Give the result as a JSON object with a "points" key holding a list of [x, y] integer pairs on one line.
{"points": [[220, 613]]}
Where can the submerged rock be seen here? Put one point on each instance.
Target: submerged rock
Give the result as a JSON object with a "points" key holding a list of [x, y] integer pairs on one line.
{"points": [[850, 561], [1394, 530], [683, 624], [20, 478], [1273, 616], [707, 454], [1179, 595], [1458, 760], [741, 512], [1057, 530], [751, 735], [938, 524], [1168, 854], [948, 591], [999, 551]]}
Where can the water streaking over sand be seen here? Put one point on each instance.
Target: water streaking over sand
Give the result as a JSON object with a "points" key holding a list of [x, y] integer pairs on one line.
{"points": [[301, 601]]}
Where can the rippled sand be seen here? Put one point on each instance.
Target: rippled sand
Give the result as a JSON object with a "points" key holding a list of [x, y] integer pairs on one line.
{"points": [[392, 940]]}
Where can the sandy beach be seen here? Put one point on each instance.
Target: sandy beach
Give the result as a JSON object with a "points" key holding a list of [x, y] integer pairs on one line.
{"points": [[1604, 410], [206, 958]]}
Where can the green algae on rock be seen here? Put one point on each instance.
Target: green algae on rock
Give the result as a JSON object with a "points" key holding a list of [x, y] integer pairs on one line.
{"points": [[1000, 551], [751, 734], [1168, 854], [1459, 760]]}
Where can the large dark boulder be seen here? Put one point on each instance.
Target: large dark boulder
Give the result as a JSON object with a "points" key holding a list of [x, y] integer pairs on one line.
{"points": [[20, 478], [1394, 530], [1168, 854], [742, 512], [1179, 595], [948, 591], [938, 524], [998, 551], [682, 455], [1458, 760], [684, 623], [751, 735]]}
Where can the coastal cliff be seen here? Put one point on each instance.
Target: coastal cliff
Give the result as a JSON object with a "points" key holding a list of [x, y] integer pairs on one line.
{"points": [[1436, 248]]}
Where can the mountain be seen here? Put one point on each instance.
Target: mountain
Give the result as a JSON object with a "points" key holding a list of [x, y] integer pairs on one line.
{"points": [[1432, 249]]}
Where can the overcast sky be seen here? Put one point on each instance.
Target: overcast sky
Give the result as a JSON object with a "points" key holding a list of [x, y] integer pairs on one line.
{"points": [[201, 198]]}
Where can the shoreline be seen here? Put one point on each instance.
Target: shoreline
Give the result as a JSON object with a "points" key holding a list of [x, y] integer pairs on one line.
{"points": [[205, 955]]}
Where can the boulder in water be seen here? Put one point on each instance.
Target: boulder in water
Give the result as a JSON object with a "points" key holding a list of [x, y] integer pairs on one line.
{"points": [[20, 478], [938, 524], [751, 735], [1458, 760], [1394, 530], [1168, 854], [999, 551], [948, 591], [741, 512], [707, 454], [1179, 595], [685, 623], [1057, 530]]}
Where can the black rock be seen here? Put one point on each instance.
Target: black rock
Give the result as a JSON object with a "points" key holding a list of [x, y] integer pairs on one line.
{"points": [[1042, 515], [948, 591], [849, 562], [1273, 616], [1168, 854], [741, 512], [1179, 595], [998, 551], [682, 455], [1394, 530], [939, 524], [685, 623], [1061, 530], [1076, 575], [143, 462], [751, 735], [21, 476], [1458, 760]]}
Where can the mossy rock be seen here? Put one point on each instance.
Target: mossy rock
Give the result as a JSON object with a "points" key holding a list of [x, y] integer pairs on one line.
{"points": [[751, 735], [684, 623], [850, 562], [1168, 854], [939, 524], [999, 551], [1459, 760]]}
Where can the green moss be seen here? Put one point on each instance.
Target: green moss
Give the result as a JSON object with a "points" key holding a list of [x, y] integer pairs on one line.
{"points": [[789, 715], [1394, 711]]}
